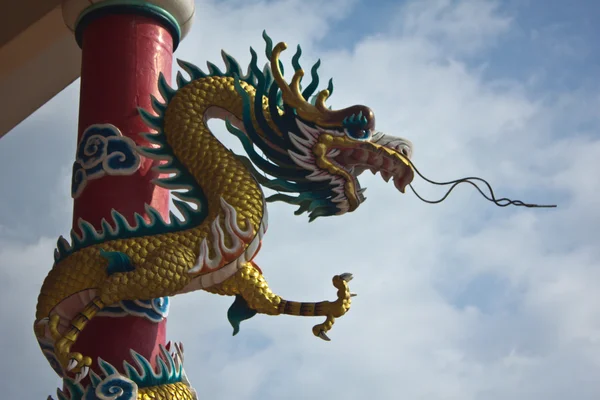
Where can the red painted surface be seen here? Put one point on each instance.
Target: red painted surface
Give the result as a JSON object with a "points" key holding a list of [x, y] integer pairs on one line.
{"points": [[121, 61]]}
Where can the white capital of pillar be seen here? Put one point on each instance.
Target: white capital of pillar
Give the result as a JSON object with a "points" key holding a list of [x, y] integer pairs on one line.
{"points": [[181, 10]]}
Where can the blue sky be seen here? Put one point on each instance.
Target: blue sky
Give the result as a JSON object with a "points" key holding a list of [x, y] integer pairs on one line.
{"points": [[552, 36], [462, 300]]}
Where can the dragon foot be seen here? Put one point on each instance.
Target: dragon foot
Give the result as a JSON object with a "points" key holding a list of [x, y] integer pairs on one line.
{"points": [[73, 362], [253, 296], [336, 309]]}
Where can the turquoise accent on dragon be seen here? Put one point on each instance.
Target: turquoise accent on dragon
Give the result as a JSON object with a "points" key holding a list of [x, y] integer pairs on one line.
{"points": [[294, 144]]}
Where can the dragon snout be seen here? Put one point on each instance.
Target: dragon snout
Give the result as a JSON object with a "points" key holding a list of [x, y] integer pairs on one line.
{"points": [[404, 148], [401, 145]]}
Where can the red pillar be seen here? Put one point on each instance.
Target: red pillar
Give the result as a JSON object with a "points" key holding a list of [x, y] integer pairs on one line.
{"points": [[123, 52], [122, 57]]}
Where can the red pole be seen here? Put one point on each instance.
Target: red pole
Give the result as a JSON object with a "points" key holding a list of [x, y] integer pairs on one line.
{"points": [[122, 57], [124, 49]]}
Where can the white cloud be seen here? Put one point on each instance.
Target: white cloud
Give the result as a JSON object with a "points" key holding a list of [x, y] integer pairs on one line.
{"points": [[22, 267], [460, 26], [422, 326]]}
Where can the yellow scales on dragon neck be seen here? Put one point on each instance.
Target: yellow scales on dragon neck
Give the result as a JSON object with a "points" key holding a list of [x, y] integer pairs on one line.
{"points": [[308, 149]]}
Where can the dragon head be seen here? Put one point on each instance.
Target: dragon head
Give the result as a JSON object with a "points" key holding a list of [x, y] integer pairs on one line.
{"points": [[341, 150], [309, 148]]}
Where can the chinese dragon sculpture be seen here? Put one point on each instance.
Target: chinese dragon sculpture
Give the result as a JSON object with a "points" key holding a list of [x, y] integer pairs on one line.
{"points": [[313, 155]]}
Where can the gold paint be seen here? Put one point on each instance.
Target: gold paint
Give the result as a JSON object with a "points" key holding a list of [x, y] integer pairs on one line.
{"points": [[162, 261], [173, 391], [253, 287], [292, 94], [217, 171], [323, 162], [328, 142]]}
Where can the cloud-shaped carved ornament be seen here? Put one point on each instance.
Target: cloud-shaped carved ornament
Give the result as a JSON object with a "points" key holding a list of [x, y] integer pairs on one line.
{"points": [[102, 150]]}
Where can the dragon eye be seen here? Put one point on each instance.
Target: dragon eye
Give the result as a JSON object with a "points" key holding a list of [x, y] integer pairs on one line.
{"points": [[358, 134]]}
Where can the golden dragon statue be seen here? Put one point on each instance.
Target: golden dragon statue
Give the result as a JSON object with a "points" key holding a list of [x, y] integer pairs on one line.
{"points": [[313, 156]]}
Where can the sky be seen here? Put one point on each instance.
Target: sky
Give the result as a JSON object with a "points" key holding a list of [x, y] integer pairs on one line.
{"points": [[460, 300]]}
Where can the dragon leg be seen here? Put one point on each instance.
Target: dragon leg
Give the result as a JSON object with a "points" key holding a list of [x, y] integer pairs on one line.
{"points": [[253, 295], [74, 362], [169, 266]]}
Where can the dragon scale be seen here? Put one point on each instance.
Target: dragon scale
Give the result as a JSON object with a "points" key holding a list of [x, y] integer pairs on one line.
{"points": [[310, 154], [216, 171]]}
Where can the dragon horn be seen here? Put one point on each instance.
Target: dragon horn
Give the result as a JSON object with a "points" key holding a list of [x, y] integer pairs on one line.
{"points": [[318, 113], [291, 93]]}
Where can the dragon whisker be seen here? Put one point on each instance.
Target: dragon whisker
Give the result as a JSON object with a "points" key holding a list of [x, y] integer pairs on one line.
{"points": [[502, 202]]}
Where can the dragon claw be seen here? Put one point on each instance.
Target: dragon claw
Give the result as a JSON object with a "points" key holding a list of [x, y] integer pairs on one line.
{"points": [[81, 375], [337, 308], [346, 276], [78, 364], [72, 364]]}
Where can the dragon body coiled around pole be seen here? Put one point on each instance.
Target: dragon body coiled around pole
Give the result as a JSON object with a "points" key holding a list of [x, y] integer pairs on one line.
{"points": [[296, 145]]}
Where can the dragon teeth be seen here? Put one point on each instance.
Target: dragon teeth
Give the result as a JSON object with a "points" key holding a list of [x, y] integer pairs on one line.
{"points": [[334, 153], [302, 161], [336, 180], [317, 175], [339, 198], [386, 175], [305, 158], [308, 132], [301, 144]]}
